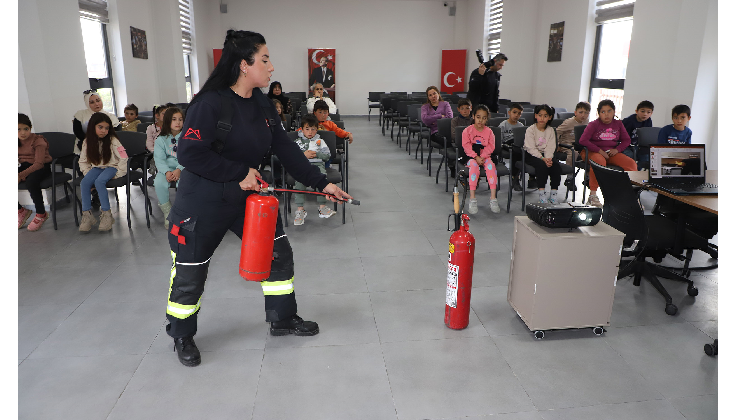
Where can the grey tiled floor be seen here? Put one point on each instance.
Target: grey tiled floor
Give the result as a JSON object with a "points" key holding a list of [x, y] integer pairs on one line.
{"points": [[92, 343]]}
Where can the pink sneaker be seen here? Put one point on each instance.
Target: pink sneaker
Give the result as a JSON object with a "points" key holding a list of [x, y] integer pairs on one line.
{"points": [[23, 215], [37, 221]]}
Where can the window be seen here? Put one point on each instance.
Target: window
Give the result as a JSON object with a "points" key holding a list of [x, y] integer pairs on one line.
{"points": [[185, 26], [612, 42], [492, 27], [96, 50]]}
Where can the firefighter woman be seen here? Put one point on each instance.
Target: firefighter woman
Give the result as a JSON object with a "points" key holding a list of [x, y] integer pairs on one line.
{"points": [[230, 126]]}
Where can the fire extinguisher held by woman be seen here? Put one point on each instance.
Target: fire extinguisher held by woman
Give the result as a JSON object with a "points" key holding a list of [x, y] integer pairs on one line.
{"points": [[230, 126]]}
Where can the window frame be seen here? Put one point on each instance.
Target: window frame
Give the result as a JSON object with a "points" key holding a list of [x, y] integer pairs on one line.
{"points": [[107, 82]]}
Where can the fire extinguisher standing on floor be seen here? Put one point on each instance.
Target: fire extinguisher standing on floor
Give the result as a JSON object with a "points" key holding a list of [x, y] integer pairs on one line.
{"points": [[460, 266]]}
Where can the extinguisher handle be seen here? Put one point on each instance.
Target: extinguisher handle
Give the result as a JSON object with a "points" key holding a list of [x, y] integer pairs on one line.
{"points": [[264, 185]]}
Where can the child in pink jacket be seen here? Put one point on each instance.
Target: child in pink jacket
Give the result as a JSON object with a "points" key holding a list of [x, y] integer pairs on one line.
{"points": [[478, 144]]}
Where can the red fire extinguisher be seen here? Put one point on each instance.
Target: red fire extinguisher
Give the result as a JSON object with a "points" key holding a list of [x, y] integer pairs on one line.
{"points": [[260, 222], [459, 271], [257, 241]]}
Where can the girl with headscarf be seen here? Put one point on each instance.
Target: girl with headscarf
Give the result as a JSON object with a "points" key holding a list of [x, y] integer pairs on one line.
{"points": [[93, 103], [275, 92]]}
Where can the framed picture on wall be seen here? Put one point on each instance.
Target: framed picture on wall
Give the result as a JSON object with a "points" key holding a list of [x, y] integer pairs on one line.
{"points": [[139, 43], [321, 69], [556, 42]]}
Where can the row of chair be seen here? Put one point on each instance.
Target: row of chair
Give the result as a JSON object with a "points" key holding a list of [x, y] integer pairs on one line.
{"points": [[61, 149]]}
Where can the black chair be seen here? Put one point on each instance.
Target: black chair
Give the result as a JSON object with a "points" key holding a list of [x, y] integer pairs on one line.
{"points": [[134, 144], [519, 135], [565, 115], [399, 93], [146, 118], [499, 114], [646, 137], [335, 117], [505, 101], [300, 95], [288, 122], [145, 114], [416, 127], [501, 169], [496, 121], [373, 101], [340, 124], [528, 116], [649, 235], [142, 127], [556, 122], [403, 121], [560, 109], [399, 114], [61, 149], [450, 149], [182, 105]]}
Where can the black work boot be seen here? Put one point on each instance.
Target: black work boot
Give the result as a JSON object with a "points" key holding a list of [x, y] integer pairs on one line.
{"points": [[294, 325], [188, 353]]}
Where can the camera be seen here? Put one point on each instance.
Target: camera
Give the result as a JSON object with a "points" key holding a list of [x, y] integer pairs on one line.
{"points": [[479, 53], [444, 4]]}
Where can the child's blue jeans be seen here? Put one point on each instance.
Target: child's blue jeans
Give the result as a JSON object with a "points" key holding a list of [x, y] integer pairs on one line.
{"points": [[96, 177]]}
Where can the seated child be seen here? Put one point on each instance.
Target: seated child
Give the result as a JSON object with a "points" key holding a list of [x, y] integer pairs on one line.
{"points": [[507, 126], [317, 153], [540, 145], [463, 119], [278, 107], [33, 167], [102, 158], [166, 158], [130, 123], [678, 132], [565, 131], [641, 118], [321, 111], [605, 139], [478, 143]]}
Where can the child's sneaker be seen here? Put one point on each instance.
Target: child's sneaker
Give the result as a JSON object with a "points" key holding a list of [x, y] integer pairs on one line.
{"points": [[543, 197], [473, 206], [37, 221], [326, 212], [300, 217], [23, 215], [495, 208], [592, 200], [553, 197]]}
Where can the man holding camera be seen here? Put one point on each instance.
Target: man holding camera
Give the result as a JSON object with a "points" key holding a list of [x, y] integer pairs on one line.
{"points": [[484, 82]]}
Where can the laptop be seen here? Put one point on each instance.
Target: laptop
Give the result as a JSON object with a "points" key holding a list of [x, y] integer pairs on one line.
{"points": [[679, 169]]}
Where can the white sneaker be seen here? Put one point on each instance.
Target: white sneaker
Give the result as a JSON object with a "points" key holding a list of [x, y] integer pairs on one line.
{"points": [[543, 197], [300, 217], [473, 206], [592, 200], [326, 212], [495, 208], [553, 197]]}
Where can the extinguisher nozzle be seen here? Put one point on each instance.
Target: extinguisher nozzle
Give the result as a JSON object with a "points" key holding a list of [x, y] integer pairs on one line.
{"points": [[354, 202]]}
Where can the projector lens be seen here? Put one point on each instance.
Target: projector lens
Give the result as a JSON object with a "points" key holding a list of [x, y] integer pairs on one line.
{"points": [[582, 216]]}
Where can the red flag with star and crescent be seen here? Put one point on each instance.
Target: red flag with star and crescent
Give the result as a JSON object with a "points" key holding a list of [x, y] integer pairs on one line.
{"points": [[453, 71]]}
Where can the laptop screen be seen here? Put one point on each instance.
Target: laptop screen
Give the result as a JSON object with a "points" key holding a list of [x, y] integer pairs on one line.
{"points": [[677, 162]]}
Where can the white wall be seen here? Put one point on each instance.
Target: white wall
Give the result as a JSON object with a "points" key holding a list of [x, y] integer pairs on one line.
{"points": [[52, 65], [385, 45], [518, 42]]}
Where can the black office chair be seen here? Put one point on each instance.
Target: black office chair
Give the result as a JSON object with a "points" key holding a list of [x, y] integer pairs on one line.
{"points": [[646, 137], [373, 101], [61, 149], [564, 115], [648, 235]]}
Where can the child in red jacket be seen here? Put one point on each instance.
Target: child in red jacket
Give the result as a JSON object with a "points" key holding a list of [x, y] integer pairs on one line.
{"points": [[320, 109]]}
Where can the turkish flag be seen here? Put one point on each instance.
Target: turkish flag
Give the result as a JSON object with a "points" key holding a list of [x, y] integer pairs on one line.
{"points": [[217, 55], [453, 71]]}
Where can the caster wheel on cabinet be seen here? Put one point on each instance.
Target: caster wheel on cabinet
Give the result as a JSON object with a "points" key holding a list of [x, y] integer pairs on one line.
{"points": [[538, 335], [711, 349], [598, 331]]}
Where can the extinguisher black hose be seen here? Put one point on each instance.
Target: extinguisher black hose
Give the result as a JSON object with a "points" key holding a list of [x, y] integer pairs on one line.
{"points": [[462, 178]]}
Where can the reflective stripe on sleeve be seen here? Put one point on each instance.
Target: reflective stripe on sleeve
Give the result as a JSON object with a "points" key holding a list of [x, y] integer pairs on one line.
{"points": [[278, 287]]}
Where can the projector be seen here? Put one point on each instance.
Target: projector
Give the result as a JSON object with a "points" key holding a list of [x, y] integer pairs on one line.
{"points": [[565, 215]]}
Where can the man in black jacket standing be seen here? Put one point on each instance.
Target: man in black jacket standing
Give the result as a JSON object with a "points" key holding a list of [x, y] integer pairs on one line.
{"points": [[484, 83]]}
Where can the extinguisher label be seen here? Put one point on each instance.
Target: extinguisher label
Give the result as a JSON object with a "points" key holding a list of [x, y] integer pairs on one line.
{"points": [[452, 285]]}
